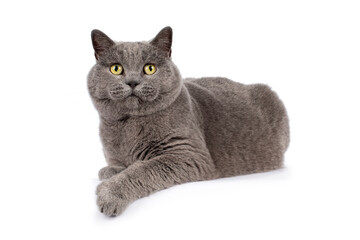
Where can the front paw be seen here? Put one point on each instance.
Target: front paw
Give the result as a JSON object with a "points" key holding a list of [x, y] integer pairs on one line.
{"points": [[109, 171], [109, 203]]}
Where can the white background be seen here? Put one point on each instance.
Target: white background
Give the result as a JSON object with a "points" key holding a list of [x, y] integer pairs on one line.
{"points": [[307, 51]]}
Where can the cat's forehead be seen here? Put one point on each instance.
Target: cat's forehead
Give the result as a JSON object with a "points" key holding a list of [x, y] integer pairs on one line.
{"points": [[127, 49], [133, 52]]}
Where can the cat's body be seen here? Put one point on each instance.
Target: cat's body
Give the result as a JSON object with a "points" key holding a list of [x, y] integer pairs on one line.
{"points": [[177, 131], [246, 127]]}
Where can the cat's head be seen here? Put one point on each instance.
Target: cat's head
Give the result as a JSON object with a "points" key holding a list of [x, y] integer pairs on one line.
{"points": [[133, 78]]}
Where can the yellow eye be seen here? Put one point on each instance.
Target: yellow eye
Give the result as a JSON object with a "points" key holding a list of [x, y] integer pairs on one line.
{"points": [[149, 69], [116, 69]]}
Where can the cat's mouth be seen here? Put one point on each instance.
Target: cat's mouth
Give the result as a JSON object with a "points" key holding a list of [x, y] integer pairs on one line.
{"points": [[134, 95], [143, 94]]}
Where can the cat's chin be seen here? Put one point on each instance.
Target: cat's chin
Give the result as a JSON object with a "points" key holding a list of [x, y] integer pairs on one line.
{"points": [[132, 102]]}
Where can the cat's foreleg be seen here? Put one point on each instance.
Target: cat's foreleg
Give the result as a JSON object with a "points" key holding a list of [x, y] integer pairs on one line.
{"points": [[145, 177]]}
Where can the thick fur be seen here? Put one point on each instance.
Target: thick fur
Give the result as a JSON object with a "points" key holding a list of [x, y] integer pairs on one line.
{"points": [[168, 131]]}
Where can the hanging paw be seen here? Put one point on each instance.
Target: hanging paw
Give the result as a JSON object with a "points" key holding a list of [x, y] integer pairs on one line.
{"points": [[109, 171], [109, 203]]}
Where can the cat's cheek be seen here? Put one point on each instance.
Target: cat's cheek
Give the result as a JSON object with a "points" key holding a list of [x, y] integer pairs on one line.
{"points": [[101, 93]]}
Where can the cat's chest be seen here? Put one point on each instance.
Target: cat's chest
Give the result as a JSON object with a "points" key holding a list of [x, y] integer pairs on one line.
{"points": [[125, 140]]}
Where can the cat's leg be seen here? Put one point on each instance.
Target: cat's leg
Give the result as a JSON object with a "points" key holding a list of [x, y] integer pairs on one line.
{"points": [[145, 177], [109, 171]]}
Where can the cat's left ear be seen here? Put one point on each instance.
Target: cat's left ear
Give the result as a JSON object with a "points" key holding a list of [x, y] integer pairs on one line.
{"points": [[163, 41], [101, 42]]}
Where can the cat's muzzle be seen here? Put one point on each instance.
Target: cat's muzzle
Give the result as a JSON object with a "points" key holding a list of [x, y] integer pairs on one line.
{"points": [[144, 92]]}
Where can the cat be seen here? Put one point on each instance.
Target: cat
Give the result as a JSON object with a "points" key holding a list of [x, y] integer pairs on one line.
{"points": [[158, 129]]}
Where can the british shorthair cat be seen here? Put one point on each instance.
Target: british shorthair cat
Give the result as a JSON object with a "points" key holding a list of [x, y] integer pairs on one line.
{"points": [[158, 129]]}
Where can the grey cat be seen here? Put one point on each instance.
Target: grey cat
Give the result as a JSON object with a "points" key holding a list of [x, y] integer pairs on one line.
{"points": [[159, 130]]}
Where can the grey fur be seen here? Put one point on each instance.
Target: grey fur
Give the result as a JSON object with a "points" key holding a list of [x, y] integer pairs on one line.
{"points": [[169, 131]]}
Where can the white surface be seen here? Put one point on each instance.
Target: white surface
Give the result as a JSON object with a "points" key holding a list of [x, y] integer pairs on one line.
{"points": [[307, 51]]}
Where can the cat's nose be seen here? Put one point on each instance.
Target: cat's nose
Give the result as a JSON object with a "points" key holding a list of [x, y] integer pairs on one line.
{"points": [[132, 84]]}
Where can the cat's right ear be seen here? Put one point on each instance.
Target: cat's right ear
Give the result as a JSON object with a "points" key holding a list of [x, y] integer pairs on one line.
{"points": [[101, 42]]}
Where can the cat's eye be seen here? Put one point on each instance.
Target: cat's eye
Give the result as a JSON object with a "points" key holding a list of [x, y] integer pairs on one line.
{"points": [[149, 69], [116, 69]]}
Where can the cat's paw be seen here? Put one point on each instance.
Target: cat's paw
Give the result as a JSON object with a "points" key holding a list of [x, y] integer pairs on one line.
{"points": [[109, 171], [109, 203]]}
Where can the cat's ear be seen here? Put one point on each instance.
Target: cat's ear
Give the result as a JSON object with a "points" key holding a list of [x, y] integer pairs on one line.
{"points": [[163, 40], [101, 42]]}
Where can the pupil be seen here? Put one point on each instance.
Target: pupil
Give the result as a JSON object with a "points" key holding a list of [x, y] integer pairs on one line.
{"points": [[116, 68], [150, 68]]}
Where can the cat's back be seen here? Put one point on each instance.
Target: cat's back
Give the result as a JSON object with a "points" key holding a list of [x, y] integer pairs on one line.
{"points": [[220, 95], [246, 126], [217, 85], [230, 96]]}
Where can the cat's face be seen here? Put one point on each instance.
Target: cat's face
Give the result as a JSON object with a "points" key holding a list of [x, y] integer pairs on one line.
{"points": [[133, 78]]}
